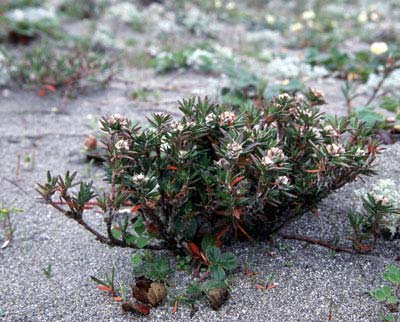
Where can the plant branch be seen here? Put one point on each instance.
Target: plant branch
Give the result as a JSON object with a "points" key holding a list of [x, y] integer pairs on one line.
{"points": [[320, 243]]}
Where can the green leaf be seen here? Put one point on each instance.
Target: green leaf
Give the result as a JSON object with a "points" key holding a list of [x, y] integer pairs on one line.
{"points": [[388, 317], [387, 291], [368, 115], [228, 261], [137, 259], [217, 272], [116, 233], [139, 226], [130, 239], [142, 242], [392, 299], [213, 254], [379, 295]]}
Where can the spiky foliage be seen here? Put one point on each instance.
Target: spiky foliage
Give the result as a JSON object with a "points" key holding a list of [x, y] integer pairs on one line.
{"points": [[242, 172]]}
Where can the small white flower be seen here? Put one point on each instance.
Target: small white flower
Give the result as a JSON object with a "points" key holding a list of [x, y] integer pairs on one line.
{"points": [[316, 132], [227, 118], [379, 48], [284, 96], [176, 126], [230, 6], [296, 27], [374, 16], [270, 19], [122, 145], [218, 3], [318, 92], [266, 161], [183, 154], [308, 15], [331, 131], [140, 178], [210, 118], [282, 181], [117, 118], [335, 149], [380, 198], [276, 153], [359, 152], [362, 17]]}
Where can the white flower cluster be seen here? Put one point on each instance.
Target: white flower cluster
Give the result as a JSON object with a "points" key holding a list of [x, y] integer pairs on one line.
{"points": [[282, 181], [335, 149], [331, 131], [31, 14], [114, 119], [210, 118], [227, 118], [272, 156], [386, 191], [117, 118], [234, 150], [122, 145], [140, 178]]}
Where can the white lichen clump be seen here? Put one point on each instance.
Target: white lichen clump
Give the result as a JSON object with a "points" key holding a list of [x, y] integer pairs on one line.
{"points": [[293, 67], [31, 14]]}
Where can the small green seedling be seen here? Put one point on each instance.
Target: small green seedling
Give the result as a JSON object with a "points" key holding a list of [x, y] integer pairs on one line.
{"points": [[48, 271]]}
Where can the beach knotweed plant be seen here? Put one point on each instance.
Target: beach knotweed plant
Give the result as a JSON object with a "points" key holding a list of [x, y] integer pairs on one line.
{"points": [[229, 173], [72, 70], [379, 213]]}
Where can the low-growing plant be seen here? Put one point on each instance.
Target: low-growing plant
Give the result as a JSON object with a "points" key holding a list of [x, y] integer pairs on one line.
{"points": [[389, 295], [83, 9], [204, 58], [228, 173], [21, 25], [47, 69], [155, 268]]}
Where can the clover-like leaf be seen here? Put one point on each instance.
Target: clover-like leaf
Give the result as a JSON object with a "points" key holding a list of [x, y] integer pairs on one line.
{"points": [[217, 272], [228, 261], [213, 254]]}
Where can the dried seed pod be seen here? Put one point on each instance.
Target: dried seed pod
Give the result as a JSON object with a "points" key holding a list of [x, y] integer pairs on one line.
{"points": [[217, 297]]}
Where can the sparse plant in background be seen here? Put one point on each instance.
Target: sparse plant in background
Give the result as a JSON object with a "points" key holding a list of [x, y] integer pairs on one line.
{"points": [[203, 58], [73, 70], [48, 271], [21, 25], [83, 9], [6, 224]]}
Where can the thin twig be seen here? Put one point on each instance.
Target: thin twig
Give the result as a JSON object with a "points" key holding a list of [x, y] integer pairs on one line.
{"points": [[320, 243]]}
